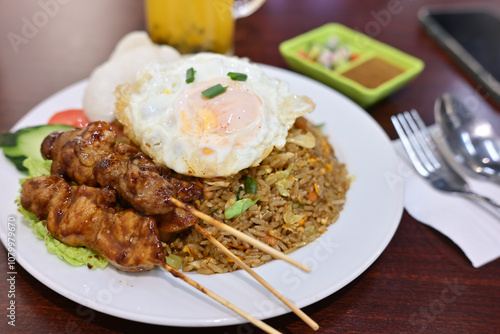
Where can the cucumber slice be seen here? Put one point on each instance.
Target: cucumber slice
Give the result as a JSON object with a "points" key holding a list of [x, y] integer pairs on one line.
{"points": [[27, 142]]}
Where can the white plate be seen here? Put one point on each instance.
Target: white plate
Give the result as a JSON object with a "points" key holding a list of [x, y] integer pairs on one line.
{"points": [[366, 225]]}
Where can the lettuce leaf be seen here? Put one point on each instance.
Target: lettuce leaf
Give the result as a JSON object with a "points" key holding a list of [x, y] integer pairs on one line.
{"points": [[37, 167]]}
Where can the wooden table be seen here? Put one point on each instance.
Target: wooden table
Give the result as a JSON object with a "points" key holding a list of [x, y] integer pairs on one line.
{"points": [[407, 290]]}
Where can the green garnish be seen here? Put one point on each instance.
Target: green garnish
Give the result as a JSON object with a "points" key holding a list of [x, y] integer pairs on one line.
{"points": [[190, 75], [26, 143], [174, 261], [238, 207], [320, 125], [214, 91], [37, 167], [251, 185], [237, 76], [240, 189]]}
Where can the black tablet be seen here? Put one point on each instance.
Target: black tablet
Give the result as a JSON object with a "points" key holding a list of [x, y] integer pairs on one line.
{"points": [[472, 36]]}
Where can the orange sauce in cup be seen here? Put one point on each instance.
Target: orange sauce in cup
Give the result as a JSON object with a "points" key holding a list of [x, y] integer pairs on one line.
{"points": [[373, 72]]}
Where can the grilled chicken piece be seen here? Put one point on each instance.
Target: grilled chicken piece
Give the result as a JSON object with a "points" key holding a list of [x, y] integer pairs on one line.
{"points": [[173, 222], [146, 191], [74, 153], [142, 183], [91, 217]]}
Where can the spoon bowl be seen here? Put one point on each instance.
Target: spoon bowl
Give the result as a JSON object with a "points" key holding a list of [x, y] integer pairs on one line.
{"points": [[471, 139]]}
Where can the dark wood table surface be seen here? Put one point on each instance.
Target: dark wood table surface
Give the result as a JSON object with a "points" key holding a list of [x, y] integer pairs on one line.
{"points": [[422, 283]]}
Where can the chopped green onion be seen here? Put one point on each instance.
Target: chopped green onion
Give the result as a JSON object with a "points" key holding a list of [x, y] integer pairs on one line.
{"points": [[190, 75], [237, 76], [214, 91], [251, 185], [238, 207], [240, 189], [320, 125]]}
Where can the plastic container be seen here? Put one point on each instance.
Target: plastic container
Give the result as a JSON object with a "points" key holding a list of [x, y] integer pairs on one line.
{"points": [[373, 58]]}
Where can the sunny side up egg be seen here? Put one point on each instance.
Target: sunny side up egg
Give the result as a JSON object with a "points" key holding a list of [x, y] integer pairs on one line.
{"points": [[174, 123]]}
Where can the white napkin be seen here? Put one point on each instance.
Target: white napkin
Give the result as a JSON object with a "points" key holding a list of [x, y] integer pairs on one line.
{"points": [[474, 228]]}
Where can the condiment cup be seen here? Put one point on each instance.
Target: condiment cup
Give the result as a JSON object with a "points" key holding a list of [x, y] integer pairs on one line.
{"points": [[372, 71]]}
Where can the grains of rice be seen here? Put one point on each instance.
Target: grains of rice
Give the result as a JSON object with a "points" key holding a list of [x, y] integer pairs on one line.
{"points": [[317, 190]]}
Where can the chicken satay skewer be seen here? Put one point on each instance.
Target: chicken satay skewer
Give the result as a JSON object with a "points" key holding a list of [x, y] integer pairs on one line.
{"points": [[254, 242], [310, 322]]}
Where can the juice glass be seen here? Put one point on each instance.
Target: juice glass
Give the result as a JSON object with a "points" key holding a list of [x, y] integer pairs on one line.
{"points": [[196, 25]]}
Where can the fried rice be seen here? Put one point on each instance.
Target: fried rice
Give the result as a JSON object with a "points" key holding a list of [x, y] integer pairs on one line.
{"points": [[301, 191]]}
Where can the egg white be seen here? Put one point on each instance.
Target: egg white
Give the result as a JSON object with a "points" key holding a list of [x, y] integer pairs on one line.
{"points": [[207, 137]]}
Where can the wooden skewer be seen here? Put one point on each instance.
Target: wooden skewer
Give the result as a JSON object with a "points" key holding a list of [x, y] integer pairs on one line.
{"points": [[252, 273], [254, 242], [262, 325]]}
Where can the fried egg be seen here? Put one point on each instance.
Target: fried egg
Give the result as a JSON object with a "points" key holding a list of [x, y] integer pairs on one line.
{"points": [[179, 127]]}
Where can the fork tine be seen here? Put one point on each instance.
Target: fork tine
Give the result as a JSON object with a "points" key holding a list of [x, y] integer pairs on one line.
{"points": [[426, 140], [420, 143], [414, 135], [404, 132]]}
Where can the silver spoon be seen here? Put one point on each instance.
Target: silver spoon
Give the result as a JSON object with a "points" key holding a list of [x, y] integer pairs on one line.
{"points": [[471, 139]]}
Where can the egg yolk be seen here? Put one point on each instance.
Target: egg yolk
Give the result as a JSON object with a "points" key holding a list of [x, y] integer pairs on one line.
{"points": [[234, 112]]}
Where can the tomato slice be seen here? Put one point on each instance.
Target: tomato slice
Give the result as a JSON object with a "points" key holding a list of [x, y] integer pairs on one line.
{"points": [[73, 117]]}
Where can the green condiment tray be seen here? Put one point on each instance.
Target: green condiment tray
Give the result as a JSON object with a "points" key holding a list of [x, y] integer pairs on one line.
{"points": [[357, 42]]}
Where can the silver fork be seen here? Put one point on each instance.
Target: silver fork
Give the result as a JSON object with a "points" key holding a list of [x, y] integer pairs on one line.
{"points": [[428, 161]]}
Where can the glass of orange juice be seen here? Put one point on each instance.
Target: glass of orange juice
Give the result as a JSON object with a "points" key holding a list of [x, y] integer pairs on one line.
{"points": [[197, 25]]}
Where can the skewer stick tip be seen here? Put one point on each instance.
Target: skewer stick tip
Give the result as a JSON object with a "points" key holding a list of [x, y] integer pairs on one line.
{"points": [[260, 324]]}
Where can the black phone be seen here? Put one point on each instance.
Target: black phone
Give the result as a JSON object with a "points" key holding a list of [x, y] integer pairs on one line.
{"points": [[472, 36]]}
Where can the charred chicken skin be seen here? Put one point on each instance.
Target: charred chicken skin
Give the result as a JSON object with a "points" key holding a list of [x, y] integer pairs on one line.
{"points": [[90, 157], [91, 217]]}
